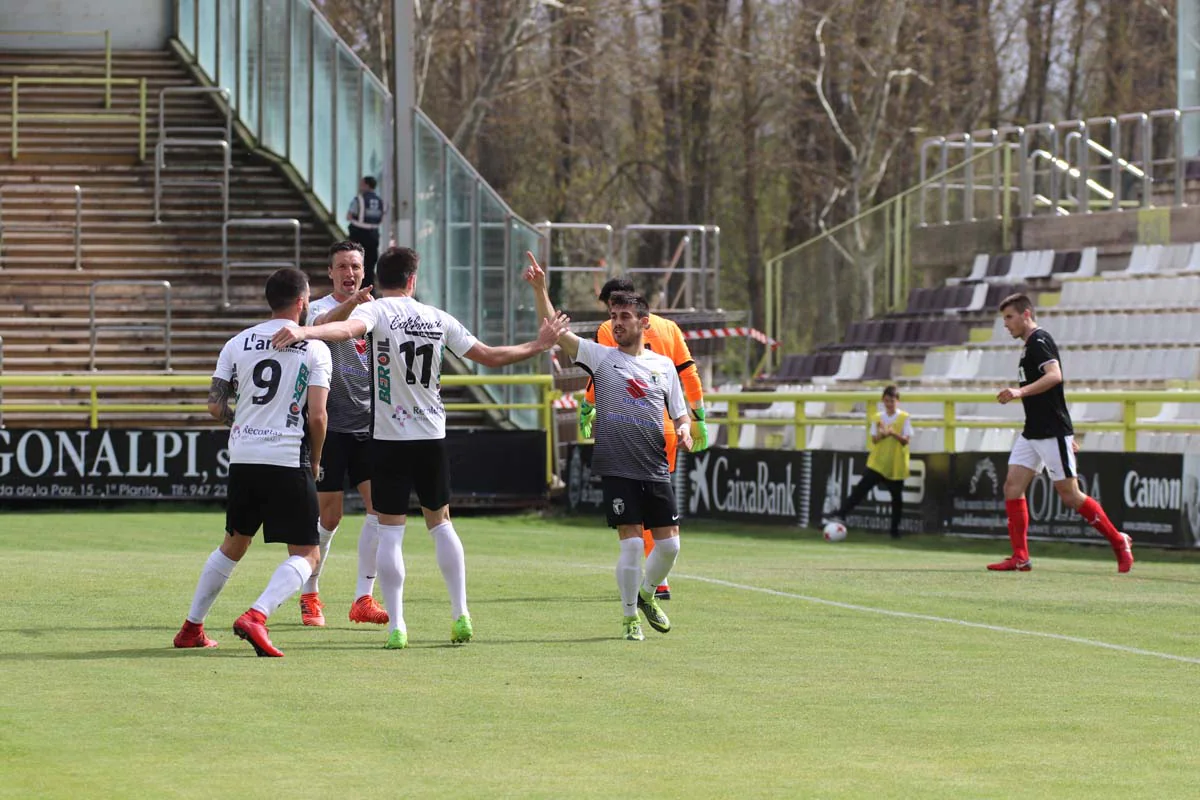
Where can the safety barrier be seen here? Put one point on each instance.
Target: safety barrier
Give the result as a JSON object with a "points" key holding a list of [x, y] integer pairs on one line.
{"points": [[139, 326], [227, 265], [160, 161], [106, 35], [1129, 425], [93, 408], [102, 116]]}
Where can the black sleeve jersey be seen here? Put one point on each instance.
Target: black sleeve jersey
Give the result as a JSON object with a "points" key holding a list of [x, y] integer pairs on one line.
{"points": [[1046, 415]]}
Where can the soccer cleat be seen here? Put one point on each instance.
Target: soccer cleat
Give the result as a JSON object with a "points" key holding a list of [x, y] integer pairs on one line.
{"points": [[398, 640], [192, 635], [1124, 553], [663, 592], [649, 606], [1012, 564], [311, 610], [631, 629], [461, 631], [252, 626], [366, 609]]}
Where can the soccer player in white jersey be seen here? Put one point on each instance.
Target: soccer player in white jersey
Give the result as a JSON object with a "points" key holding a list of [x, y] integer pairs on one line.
{"points": [[634, 386], [275, 443], [408, 449], [347, 445]]}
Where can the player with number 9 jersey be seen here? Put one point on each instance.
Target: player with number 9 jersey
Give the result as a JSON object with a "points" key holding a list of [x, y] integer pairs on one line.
{"points": [[271, 387]]}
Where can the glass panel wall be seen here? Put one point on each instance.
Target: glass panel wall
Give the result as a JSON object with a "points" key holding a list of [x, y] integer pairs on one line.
{"points": [[376, 131], [248, 61], [186, 9], [324, 63], [429, 214], [226, 74], [274, 76], [206, 34], [349, 137], [301, 71], [461, 256]]}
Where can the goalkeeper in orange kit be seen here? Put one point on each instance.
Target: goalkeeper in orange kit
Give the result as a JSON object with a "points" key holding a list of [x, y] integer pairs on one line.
{"points": [[665, 338]]}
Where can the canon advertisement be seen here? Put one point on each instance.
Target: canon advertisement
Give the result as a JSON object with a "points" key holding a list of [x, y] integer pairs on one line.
{"points": [[1153, 497], [51, 465]]}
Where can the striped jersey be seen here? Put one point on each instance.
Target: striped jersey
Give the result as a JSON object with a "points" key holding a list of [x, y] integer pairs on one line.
{"points": [[271, 387], [408, 339], [350, 384], [631, 394]]}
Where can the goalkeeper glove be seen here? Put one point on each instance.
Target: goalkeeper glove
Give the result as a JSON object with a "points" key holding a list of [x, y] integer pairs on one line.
{"points": [[587, 415], [699, 432]]}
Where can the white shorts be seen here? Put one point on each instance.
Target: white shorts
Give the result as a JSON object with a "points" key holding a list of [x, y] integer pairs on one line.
{"points": [[1056, 455]]}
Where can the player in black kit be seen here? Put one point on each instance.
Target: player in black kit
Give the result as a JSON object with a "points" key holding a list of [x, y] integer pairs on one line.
{"points": [[1046, 442]]}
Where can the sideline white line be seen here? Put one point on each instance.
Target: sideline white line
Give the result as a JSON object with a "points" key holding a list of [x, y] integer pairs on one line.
{"points": [[948, 620]]}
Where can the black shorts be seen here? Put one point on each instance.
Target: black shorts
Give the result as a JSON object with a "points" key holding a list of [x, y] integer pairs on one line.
{"points": [[280, 500], [398, 468], [345, 455], [650, 504]]}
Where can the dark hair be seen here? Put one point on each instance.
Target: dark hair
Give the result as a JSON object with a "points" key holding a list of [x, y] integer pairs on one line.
{"points": [[346, 246], [395, 267], [640, 306], [370, 182], [615, 285], [891, 390], [1018, 301], [284, 287]]}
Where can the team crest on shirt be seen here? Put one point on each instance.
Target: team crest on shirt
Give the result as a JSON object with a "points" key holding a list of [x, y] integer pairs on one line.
{"points": [[364, 355], [618, 505], [401, 416]]}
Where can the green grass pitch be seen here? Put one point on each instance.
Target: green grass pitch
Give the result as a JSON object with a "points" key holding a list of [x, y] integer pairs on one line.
{"points": [[787, 674]]}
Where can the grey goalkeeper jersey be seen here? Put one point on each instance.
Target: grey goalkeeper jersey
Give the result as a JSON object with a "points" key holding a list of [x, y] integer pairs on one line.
{"points": [[349, 402], [631, 395]]}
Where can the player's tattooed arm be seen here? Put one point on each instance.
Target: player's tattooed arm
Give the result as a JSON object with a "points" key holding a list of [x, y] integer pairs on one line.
{"points": [[219, 393]]}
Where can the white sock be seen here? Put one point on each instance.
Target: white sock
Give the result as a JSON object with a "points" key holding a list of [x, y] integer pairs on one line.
{"points": [[213, 577], [659, 562], [391, 574], [287, 580], [453, 564], [368, 556], [629, 574], [310, 585]]}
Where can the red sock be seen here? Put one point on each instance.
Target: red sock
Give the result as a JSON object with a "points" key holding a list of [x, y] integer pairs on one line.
{"points": [[1095, 516], [1018, 526]]}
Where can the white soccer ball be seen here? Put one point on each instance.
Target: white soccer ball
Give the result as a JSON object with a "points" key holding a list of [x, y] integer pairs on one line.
{"points": [[834, 531]]}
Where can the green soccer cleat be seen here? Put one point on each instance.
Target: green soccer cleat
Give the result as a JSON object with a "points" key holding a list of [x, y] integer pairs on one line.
{"points": [[632, 629], [461, 631], [397, 641], [653, 611]]}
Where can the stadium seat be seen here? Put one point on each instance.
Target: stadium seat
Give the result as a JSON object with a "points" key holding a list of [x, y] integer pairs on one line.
{"points": [[979, 269]]}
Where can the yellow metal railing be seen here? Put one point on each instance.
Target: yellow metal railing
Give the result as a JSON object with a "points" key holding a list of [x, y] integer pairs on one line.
{"points": [[106, 35], [103, 116], [93, 407], [1129, 425], [891, 218]]}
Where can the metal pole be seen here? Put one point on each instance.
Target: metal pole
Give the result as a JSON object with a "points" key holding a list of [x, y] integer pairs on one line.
{"points": [[943, 167], [1177, 144], [225, 264], [16, 81], [78, 227], [1115, 165], [716, 266], [1147, 162], [333, 188], [92, 326], [167, 324], [287, 87], [225, 183], [296, 230], [158, 158], [969, 178], [217, 38], [312, 91], [196, 31], [237, 54]]}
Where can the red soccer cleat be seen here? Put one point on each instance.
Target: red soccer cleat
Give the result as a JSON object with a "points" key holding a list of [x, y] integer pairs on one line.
{"points": [[311, 610], [366, 609], [252, 626], [192, 635], [663, 592], [1012, 564], [1124, 553]]}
